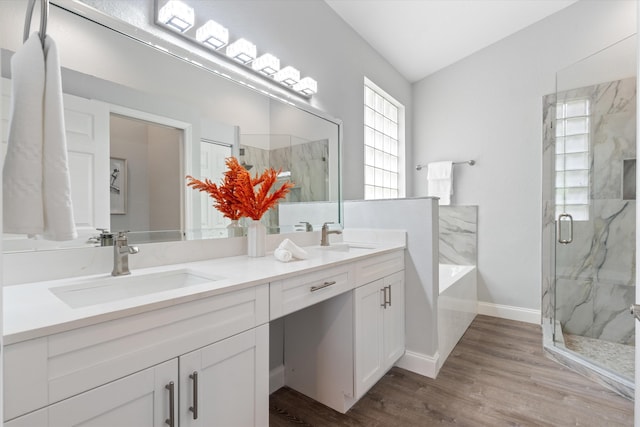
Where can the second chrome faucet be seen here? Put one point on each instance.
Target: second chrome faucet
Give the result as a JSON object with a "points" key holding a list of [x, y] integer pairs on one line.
{"points": [[324, 240], [121, 251]]}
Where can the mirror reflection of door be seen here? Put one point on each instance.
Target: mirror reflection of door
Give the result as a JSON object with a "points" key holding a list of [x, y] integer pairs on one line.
{"points": [[212, 166], [152, 189]]}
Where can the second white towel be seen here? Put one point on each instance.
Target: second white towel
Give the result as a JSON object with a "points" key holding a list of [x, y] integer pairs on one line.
{"points": [[36, 183], [440, 181], [287, 250]]}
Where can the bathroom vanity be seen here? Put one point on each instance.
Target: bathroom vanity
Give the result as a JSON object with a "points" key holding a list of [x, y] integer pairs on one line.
{"points": [[196, 352]]}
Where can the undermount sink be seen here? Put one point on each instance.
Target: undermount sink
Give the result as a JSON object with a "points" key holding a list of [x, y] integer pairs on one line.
{"points": [[108, 289], [348, 247]]}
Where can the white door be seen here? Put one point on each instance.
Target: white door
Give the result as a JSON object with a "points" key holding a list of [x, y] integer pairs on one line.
{"points": [[212, 166], [369, 335], [226, 383], [138, 400]]}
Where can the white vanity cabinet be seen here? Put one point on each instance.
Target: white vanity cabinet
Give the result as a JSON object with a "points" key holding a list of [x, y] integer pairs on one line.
{"points": [[379, 329], [336, 349], [117, 372], [227, 383], [141, 399], [223, 384]]}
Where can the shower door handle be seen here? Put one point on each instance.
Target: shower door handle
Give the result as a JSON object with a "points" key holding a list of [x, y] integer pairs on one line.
{"points": [[635, 311], [560, 239]]}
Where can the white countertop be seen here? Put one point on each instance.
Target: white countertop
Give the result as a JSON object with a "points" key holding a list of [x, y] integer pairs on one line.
{"points": [[31, 310]]}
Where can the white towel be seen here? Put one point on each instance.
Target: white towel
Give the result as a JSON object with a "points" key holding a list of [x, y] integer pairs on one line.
{"points": [[36, 184], [59, 223], [295, 250], [23, 211], [440, 181], [282, 255]]}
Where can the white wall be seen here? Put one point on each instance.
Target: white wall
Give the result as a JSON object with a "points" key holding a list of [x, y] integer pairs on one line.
{"points": [[488, 107]]}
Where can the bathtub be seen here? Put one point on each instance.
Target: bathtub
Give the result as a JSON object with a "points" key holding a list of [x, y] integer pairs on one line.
{"points": [[457, 306]]}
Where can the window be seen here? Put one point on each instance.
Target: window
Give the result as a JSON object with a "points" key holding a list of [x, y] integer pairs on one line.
{"points": [[572, 159], [383, 144]]}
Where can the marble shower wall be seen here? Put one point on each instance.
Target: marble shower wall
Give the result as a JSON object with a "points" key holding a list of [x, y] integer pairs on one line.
{"points": [[308, 166], [595, 273], [458, 235], [307, 162]]}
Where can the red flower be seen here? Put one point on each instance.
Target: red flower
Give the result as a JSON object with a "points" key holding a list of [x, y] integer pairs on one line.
{"points": [[237, 195]]}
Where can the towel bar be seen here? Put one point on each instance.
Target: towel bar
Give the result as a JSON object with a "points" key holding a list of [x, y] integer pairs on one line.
{"points": [[44, 15], [468, 162]]}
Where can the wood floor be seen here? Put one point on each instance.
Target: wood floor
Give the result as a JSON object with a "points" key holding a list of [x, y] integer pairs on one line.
{"points": [[496, 376]]}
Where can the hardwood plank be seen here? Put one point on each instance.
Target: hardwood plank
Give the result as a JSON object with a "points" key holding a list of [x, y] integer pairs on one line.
{"points": [[496, 376]]}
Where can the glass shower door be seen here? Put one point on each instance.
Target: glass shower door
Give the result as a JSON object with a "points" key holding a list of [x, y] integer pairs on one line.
{"points": [[594, 174]]}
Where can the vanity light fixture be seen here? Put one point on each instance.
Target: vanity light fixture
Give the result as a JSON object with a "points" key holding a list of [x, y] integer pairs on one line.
{"points": [[242, 50], [288, 76], [213, 35], [266, 64], [307, 85], [179, 17], [176, 15]]}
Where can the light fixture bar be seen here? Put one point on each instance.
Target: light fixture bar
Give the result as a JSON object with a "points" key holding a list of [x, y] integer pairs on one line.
{"points": [[266, 64], [176, 15], [242, 50], [180, 17], [307, 85], [288, 76], [213, 35]]}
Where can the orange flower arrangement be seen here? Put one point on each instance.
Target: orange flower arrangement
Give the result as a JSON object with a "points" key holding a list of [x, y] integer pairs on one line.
{"points": [[237, 195]]}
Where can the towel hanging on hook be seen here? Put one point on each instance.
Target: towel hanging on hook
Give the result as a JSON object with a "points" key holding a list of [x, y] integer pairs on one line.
{"points": [[44, 16]]}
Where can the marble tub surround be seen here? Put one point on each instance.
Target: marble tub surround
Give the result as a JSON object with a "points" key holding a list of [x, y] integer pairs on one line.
{"points": [[595, 273], [31, 310], [458, 235]]}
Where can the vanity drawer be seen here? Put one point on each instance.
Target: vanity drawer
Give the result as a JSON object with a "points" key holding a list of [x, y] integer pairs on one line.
{"points": [[377, 267], [46, 370], [296, 293]]}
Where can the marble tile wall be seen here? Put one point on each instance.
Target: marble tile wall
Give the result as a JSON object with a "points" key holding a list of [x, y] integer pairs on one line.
{"points": [[595, 273], [458, 235], [307, 163]]}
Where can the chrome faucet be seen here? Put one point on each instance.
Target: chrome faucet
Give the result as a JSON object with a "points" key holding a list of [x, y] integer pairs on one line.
{"points": [[307, 226], [324, 241], [121, 251]]}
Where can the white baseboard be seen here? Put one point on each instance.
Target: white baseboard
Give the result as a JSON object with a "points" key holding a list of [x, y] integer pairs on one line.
{"points": [[276, 378], [521, 314], [419, 363]]}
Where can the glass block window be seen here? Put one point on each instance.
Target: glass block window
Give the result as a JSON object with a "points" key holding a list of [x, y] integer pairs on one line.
{"points": [[382, 144], [572, 159]]}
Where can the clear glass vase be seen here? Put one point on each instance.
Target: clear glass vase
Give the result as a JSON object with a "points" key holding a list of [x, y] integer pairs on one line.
{"points": [[234, 229]]}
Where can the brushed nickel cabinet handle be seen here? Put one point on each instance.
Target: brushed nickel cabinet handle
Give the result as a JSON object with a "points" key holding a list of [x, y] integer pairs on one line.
{"points": [[324, 285], [384, 297], [389, 295], [171, 421], [194, 408]]}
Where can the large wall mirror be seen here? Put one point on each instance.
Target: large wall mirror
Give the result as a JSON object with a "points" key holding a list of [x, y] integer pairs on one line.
{"points": [[142, 112]]}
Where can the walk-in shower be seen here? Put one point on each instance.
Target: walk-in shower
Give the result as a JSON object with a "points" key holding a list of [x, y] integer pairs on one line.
{"points": [[590, 215]]}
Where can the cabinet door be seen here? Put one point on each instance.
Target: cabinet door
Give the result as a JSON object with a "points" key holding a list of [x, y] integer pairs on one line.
{"points": [[394, 319], [138, 400], [369, 330], [227, 383]]}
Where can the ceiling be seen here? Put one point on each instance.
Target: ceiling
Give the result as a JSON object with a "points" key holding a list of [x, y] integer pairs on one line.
{"points": [[420, 37]]}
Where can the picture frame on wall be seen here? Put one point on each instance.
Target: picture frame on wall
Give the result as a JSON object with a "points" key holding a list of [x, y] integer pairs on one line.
{"points": [[118, 185]]}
